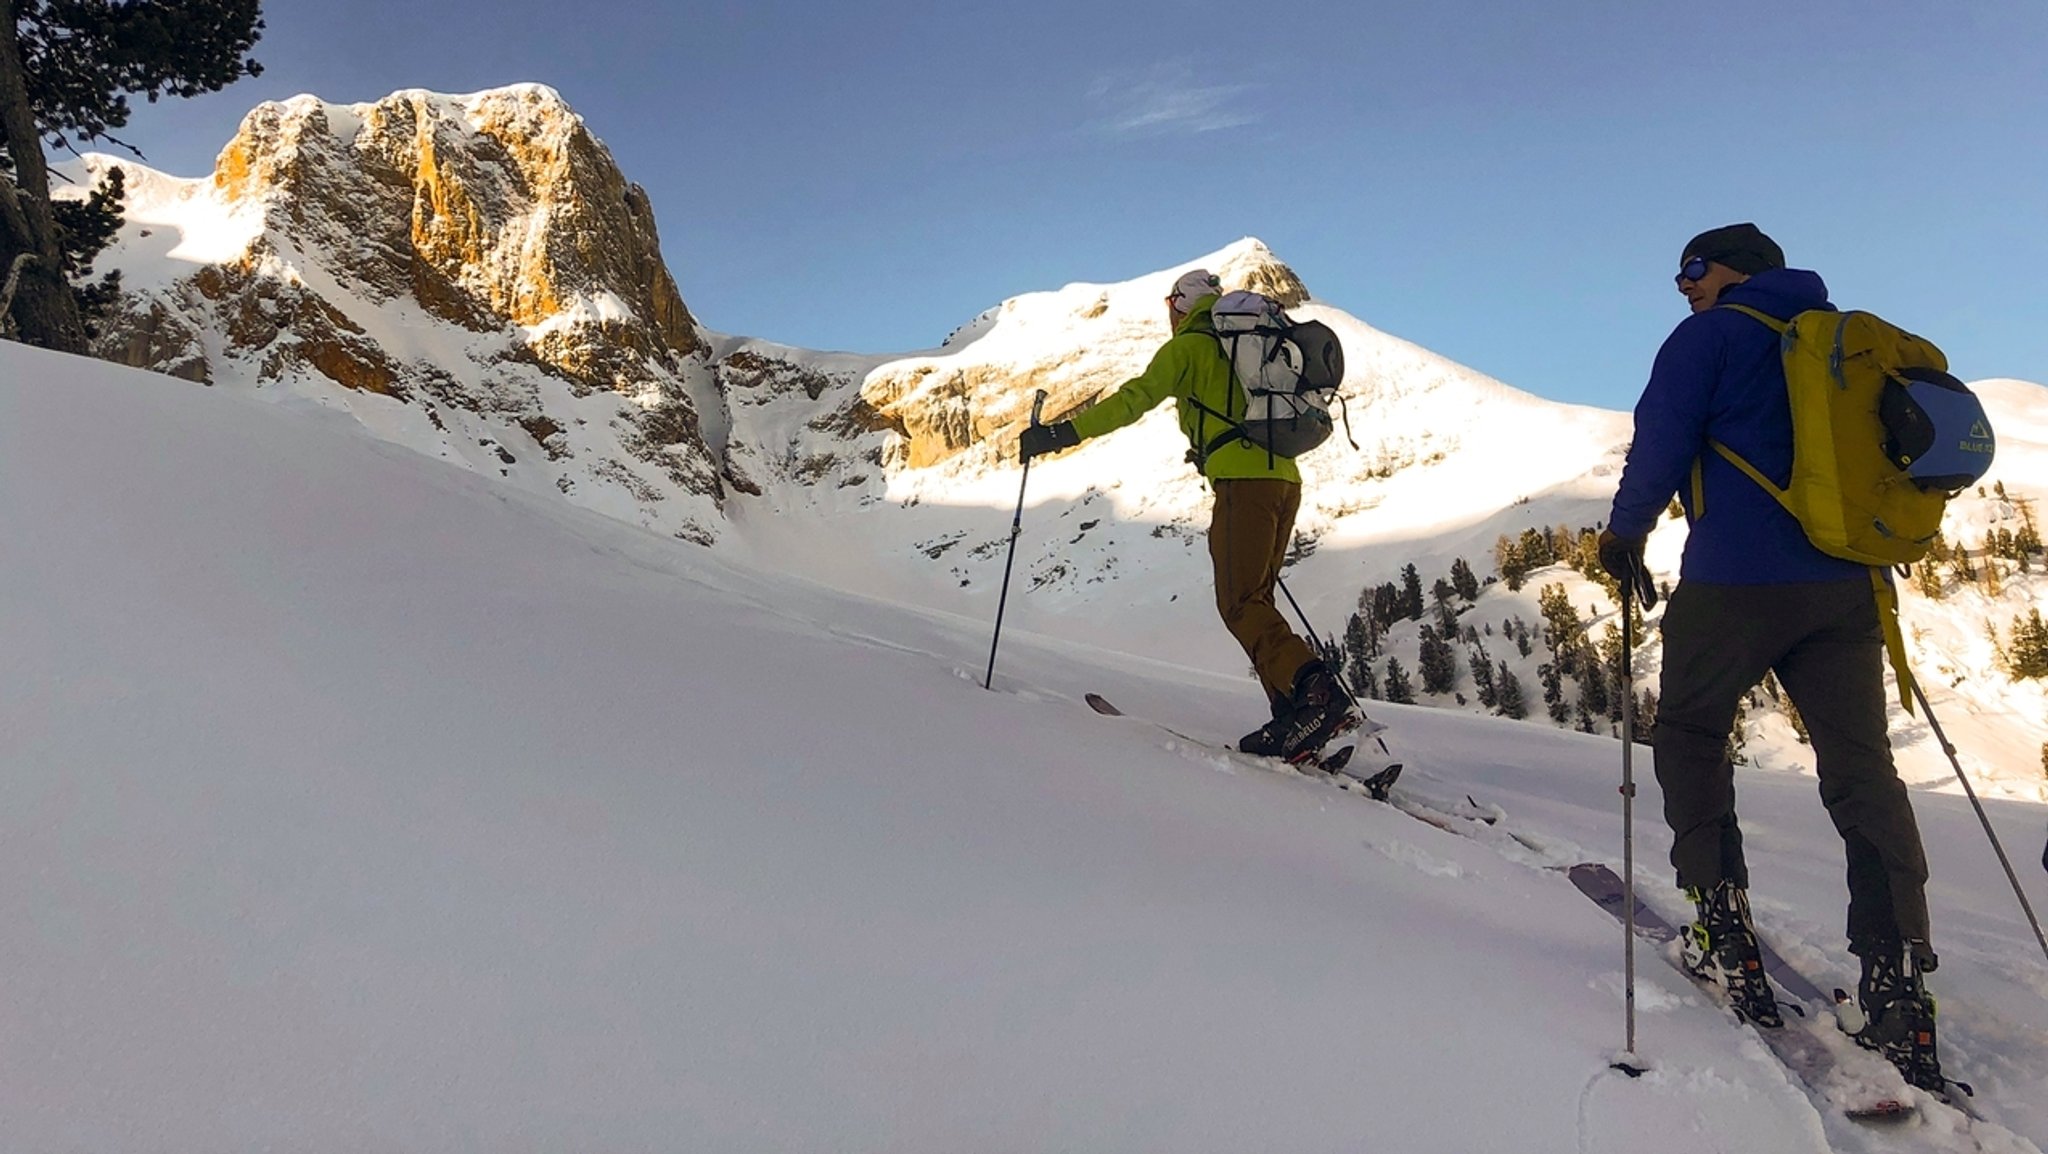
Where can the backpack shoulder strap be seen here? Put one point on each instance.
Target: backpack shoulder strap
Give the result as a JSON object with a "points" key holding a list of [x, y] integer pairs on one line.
{"points": [[1776, 325], [1734, 458], [1894, 639]]}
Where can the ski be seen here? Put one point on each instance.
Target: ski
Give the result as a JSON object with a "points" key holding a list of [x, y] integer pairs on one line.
{"points": [[1336, 764], [1797, 1043]]}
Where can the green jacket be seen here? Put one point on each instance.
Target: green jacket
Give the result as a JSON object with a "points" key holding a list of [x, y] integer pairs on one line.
{"points": [[1190, 366]]}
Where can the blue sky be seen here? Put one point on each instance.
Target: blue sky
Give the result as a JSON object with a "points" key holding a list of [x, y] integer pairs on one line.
{"points": [[1507, 183]]}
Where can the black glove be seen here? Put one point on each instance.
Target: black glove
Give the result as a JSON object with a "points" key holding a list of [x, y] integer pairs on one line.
{"points": [[1622, 557], [1039, 440]]}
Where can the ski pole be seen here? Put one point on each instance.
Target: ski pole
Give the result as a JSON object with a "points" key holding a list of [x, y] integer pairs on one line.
{"points": [[1316, 639], [1996, 846], [1016, 527], [1635, 586]]}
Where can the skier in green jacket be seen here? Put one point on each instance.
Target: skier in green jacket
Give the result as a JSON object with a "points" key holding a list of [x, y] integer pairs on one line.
{"points": [[1257, 497]]}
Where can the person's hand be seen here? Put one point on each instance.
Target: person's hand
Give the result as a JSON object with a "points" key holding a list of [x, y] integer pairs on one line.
{"points": [[1622, 557], [1038, 440]]}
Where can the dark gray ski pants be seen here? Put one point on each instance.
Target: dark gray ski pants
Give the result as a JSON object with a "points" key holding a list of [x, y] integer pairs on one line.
{"points": [[1823, 641]]}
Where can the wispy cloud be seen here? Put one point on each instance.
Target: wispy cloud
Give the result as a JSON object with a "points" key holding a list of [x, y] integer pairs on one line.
{"points": [[1171, 97]]}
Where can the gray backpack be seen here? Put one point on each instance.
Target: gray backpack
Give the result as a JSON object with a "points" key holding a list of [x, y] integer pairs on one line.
{"points": [[1287, 375]]}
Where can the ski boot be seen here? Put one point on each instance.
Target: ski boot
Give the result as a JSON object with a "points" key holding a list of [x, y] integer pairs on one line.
{"points": [[1894, 1014], [1721, 948], [1322, 710], [1270, 739]]}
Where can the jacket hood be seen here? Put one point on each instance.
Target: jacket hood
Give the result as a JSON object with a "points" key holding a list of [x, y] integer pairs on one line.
{"points": [[1197, 319], [1781, 292]]}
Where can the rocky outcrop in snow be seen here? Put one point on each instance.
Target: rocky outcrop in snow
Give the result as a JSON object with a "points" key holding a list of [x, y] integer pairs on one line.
{"points": [[480, 259]]}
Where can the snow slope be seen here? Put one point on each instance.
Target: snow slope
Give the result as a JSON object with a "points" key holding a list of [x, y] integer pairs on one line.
{"points": [[359, 803]]}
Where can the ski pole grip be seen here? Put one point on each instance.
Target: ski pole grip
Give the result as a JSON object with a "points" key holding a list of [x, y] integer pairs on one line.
{"points": [[1646, 589], [1037, 407]]}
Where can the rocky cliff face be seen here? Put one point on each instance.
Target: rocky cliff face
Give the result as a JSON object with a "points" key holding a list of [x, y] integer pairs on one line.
{"points": [[480, 260]]}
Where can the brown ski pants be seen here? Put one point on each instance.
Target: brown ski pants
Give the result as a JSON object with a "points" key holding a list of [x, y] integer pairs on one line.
{"points": [[1249, 533]]}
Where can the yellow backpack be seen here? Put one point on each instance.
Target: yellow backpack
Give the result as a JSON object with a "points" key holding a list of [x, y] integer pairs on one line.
{"points": [[1882, 437]]}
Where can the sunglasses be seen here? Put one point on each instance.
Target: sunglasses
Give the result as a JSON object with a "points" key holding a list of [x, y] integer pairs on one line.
{"points": [[1694, 270]]}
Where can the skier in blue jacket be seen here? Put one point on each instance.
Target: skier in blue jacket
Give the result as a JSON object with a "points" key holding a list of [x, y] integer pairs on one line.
{"points": [[1755, 596]]}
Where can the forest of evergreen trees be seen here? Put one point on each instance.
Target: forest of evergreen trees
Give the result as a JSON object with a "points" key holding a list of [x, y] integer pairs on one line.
{"points": [[1580, 671], [1455, 655]]}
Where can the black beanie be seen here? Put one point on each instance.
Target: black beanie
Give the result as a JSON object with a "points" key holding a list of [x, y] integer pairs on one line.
{"points": [[1742, 247]]}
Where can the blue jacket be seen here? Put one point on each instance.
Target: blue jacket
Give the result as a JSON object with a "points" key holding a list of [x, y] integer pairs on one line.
{"points": [[1719, 376]]}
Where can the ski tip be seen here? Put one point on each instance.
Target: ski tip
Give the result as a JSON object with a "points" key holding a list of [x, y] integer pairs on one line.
{"points": [[1381, 785], [1101, 704], [1889, 1110]]}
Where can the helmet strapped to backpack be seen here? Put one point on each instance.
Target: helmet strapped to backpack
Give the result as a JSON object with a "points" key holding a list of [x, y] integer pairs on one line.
{"points": [[1287, 373], [1935, 429]]}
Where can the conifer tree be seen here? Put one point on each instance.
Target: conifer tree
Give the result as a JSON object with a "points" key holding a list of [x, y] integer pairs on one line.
{"points": [[2026, 655], [1593, 695], [1464, 580], [1437, 664], [1361, 641], [1561, 625], [1508, 688], [1400, 690], [2044, 759], [1482, 676], [67, 68], [1927, 579], [1960, 563], [1553, 693], [1386, 607], [1611, 645], [1442, 592], [1446, 612], [1411, 593], [1509, 563], [1586, 558], [1364, 683], [2029, 536], [1646, 717]]}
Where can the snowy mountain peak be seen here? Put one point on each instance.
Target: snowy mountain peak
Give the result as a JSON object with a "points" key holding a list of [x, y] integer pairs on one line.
{"points": [[494, 207], [478, 259]]}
